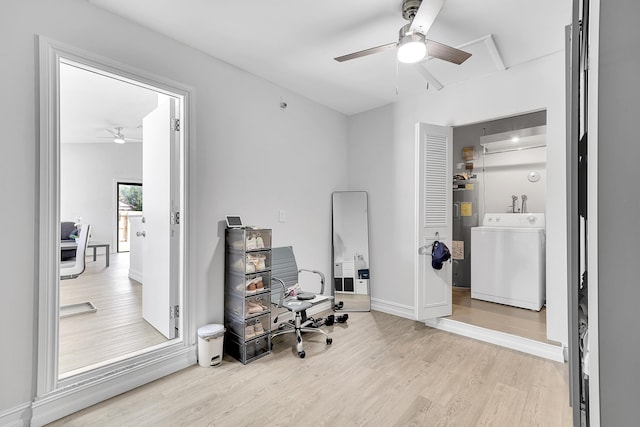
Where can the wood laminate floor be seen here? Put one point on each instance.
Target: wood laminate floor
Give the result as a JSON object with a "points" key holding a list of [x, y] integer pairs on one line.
{"points": [[116, 328], [381, 370], [499, 317]]}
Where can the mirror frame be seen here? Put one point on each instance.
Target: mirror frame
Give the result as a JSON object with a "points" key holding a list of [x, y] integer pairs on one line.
{"points": [[57, 397], [347, 305]]}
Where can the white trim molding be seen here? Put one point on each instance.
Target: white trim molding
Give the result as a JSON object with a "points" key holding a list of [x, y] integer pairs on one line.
{"points": [[514, 342], [74, 397], [17, 416], [400, 310]]}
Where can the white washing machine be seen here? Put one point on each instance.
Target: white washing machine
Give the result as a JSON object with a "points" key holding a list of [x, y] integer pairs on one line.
{"points": [[508, 260]]}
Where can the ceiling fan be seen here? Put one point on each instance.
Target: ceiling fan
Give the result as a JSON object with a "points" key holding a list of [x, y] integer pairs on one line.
{"points": [[118, 137], [413, 46]]}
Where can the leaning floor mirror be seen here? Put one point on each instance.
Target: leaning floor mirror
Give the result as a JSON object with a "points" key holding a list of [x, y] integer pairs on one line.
{"points": [[351, 251]]}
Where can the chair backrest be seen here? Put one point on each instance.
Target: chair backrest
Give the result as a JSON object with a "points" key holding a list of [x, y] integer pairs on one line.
{"points": [[283, 267], [66, 228], [78, 267]]}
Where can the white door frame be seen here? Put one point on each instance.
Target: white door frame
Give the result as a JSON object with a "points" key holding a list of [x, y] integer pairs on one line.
{"points": [[56, 397], [548, 351]]}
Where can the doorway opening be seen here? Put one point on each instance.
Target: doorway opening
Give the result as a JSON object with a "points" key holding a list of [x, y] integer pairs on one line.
{"points": [[512, 181], [129, 202]]}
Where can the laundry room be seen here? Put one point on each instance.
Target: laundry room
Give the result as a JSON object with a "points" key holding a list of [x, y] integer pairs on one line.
{"points": [[499, 169]]}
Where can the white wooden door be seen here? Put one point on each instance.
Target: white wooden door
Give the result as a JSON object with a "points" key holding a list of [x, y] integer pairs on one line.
{"points": [[159, 286], [434, 222]]}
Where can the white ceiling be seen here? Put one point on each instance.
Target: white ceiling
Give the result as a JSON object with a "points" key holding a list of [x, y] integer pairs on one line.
{"points": [[293, 42], [91, 103]]}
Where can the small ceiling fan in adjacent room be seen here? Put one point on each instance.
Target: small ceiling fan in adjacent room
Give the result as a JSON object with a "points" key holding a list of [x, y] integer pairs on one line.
{"points": [[412, 44], [118, 136]]}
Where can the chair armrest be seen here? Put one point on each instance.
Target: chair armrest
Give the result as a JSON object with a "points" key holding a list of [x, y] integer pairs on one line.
{"points": [[321, 278], [284, 290]]}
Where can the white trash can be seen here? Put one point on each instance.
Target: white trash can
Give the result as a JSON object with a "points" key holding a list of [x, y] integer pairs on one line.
{"points": [[210, 345]]}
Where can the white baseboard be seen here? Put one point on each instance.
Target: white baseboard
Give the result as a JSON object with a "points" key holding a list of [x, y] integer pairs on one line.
{"points": [[17, 416], [400, 310], [525, 345], [75, 397], [135, 275]]}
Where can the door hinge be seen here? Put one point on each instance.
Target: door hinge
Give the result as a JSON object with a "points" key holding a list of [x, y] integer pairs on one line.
{"points": [[175, 125], [175, 218], [174, 312]]}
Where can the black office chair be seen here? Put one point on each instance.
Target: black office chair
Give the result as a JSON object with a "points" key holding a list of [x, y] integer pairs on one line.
{"points": [[284, 274]]}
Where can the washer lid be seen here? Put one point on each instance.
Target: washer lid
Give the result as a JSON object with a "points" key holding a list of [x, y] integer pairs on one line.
{"points": [[211, 331]]}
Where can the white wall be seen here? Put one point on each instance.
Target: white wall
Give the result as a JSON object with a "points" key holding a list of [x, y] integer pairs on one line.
{"points": [[247, 157], [506, 174], [88, 173], [381, 161]]}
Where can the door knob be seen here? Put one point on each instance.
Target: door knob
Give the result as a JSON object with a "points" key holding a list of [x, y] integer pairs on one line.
{"points": [[422, 250], [141, 233]]}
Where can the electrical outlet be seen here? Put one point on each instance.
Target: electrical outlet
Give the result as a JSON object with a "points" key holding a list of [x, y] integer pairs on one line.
{"points": [[283, 215]]}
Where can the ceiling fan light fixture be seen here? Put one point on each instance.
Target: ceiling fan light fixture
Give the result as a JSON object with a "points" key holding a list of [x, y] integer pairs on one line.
{"points": [[118, 139], [411, 47]]}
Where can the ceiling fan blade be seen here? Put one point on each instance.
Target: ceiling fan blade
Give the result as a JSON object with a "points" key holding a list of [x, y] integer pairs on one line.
{"points": [[446, 53], [365, 52], [425, 16]]}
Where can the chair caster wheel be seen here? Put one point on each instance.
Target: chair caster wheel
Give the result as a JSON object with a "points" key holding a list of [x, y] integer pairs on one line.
{"points": [[301, 354], [329, 341]]}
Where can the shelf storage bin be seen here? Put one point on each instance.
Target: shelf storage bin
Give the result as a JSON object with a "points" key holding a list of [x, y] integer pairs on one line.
{"points": [[247, 329], [249, 262], [249, 284], [248, 239], [248, 351]]}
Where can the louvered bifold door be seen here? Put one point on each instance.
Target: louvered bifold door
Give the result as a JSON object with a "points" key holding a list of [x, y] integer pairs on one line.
{"points": [[434, 218], [435, 181]]}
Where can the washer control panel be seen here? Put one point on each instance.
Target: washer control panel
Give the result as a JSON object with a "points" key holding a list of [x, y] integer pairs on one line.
{"points": [[528, 220]]}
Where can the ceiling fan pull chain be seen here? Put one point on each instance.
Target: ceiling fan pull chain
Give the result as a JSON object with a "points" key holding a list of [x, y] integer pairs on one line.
{"points": [[397, 72]]}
